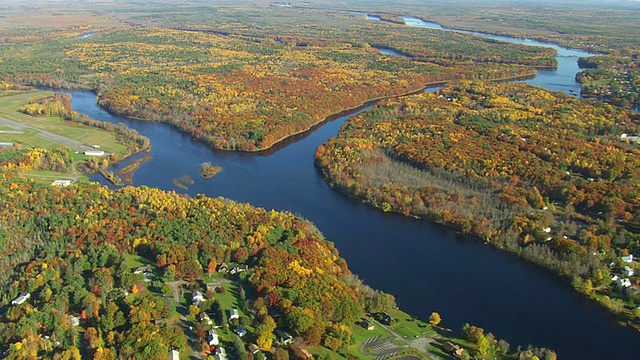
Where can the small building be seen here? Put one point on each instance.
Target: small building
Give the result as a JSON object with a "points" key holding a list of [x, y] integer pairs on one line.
{"points": [[628, 258], [367, 324], [197, 298], [628, 271], [233, 314], [624, 282], [283, 337], [61, 183], [223, 268], [21, 299], [615, 278], [212, 337], [453, 349], [203, 317], [94, 152], [240, 330], [386, 318], [220, 354], [6, 144], [253, 349], [95, 146], [74, 320], [238, 269], [174, 355]]}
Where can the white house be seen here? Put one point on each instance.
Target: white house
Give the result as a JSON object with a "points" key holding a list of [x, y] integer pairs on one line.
{"points": [[61, 183], [212, 338], [174, 355], [628, 258], [233, 314], [21, 299], [628, 271], [197, 298]]}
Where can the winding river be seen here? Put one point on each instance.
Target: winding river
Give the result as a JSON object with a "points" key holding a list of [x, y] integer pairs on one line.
{"points": [[426, 266]]}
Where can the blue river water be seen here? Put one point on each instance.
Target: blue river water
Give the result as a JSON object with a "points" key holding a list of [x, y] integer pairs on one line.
{"points": [[427, 267]]}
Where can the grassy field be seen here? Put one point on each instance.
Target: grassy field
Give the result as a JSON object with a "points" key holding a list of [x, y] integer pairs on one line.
{"points": [[10, 106]]}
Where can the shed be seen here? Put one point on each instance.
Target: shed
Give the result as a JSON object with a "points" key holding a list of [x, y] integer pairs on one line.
{"points": [[94, 152]]}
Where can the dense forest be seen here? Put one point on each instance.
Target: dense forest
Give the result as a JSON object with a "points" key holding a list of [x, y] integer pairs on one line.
{"points": [[240, 87], [67, 248], [541, 174], [89, 272]]}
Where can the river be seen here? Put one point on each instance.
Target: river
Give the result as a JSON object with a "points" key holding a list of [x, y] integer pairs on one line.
{"points": [[426, 266]]}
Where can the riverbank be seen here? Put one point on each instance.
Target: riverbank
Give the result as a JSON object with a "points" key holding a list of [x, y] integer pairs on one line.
{"points": [[394, 159]]}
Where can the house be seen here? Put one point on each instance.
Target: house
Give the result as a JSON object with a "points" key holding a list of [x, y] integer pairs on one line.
{"points": [[21, 299], [61, 183], [615, 278], [628, 258], [94, 152], [283, 337], [367, 324], [197, 298], [628, 271], [453, 349], [220, 354], [223, 268], [240, 330], [253, 349], [214, 286], [212, 337], [142, 269], [233, 314], [630, 138], [238, 269], [174, 355], [624, 282], [386, 318], [203, 317], [74, 320]]}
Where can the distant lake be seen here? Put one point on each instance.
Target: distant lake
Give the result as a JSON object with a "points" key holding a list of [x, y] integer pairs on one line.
{"points": [[563, 78]]}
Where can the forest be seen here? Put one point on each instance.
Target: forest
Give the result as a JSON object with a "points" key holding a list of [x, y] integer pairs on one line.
{"points": [[247, 88], [89, 272], [67, 248], [547, 176]]}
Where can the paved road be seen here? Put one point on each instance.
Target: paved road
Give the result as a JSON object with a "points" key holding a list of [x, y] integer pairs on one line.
{"points": [[74, 144]]}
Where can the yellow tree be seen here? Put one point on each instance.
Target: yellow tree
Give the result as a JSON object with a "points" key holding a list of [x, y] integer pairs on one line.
{"points": [[435, 319]]}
